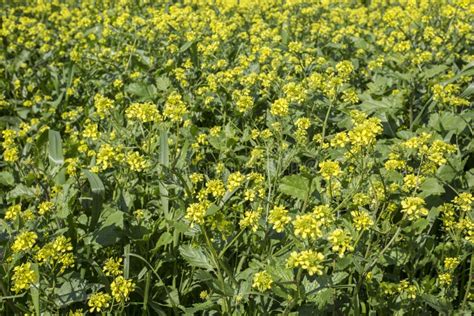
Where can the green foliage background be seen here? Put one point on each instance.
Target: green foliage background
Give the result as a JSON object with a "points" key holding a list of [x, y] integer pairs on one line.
{"points": [[168, 133]]}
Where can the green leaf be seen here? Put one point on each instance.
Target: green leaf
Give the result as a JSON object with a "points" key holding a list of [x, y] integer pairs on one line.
{"points": [[55, 148], [21, 191], [6, 178], [212, 209], [196, 257], [434, 71], [470, 178], [431, 186], [338, 277], [323, 298], [439, 304], [111, 229], [165, 239], [469, 91], [95, 183], [71, 291], [34, 291], [296, 186], [197, 307], [98, 191], [185, 46], [163, 83], [145, 91], [165, 162], [447, 121]]}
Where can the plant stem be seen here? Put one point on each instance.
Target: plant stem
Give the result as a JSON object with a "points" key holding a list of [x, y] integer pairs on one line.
{"points": [[469, 282]]}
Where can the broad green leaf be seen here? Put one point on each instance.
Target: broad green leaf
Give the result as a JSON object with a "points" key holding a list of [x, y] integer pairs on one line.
{"points": [[447, 121], [296, 186], [146, 92], [197, 307], [55, 147], [71, 291], [434, 71], [185, 46], [98, 191], [470, 178], [196, 257], [212, 209], [6, 178], [34, 291], [338, 277], [95, 183], [165, 239], [323, 298], [163, 83], [431, 186], [441, 305], [21, 191], [111, 230]]}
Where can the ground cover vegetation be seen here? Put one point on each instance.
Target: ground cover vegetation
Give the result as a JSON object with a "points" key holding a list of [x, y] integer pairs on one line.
{"points": [[236, 157]]}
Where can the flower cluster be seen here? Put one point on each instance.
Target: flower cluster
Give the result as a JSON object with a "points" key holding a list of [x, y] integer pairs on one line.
{"points": [[309, 260], [262, 281]]}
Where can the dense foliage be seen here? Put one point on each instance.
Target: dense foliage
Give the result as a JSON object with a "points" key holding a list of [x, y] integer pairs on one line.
{"points": [[236, 157]]}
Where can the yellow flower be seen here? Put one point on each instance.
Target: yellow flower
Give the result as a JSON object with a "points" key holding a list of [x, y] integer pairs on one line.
{"points": [[175, 108], [307, 226], [11, 154], [278, 217], [45, 207], [339, 140], [196, 177], [250, 220], [196, 211], [215, 188], [279, 107], [99, 302], [103, 105], [344, 68], [58, 251], [307, 260], [13, 212], [106, 157], [143, 112], [243, 100], [364, 133], [91, 130], [464, 201], [23, 277], [324, 214], [112, 267], [136, 162], [405, 288], [362, 220], [204, 295], [24, 241], [341, 241], [121, 289], [445, 279], [450, 263], [235, 180], [71, 168], [262, 281], [394, 162], [412, 181], [414, 207], [329, 169]]}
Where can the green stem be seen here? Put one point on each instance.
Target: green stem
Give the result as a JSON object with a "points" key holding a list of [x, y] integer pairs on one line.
{"points": [[231, 243], [220, 276], [469, 282]]}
